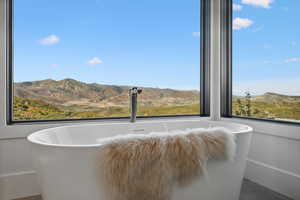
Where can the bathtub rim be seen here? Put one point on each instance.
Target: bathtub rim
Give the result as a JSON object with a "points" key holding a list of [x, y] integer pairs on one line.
{"points": [[32, 137]]}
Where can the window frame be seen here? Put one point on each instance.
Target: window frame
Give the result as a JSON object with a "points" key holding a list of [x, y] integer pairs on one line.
{"points": [[205, 12], [226, 68]]}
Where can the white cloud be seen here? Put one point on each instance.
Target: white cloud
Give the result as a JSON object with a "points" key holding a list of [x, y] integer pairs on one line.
{"points": [[94, 61], [258, 3], [290, 60], [240, 23], [237, 7], [196, 34], [49, 40], [293, 43], [257, 29]]}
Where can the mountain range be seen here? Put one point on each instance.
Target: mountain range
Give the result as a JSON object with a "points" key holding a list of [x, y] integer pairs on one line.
{"points": [[69, 98], [70, 93], [73, 94]]}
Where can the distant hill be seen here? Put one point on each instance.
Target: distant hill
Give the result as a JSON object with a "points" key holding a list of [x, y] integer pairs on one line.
{"points": [[33, 109], [271, 97], [79, 95], [69, 98], [27, 109], [277, 98], [269, 105]]}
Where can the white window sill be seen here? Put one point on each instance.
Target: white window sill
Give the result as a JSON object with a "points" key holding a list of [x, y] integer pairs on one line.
{"points": [[287, 131]]}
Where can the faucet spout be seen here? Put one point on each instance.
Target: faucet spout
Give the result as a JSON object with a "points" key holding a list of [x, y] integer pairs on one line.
{"points": [[133, 94]]}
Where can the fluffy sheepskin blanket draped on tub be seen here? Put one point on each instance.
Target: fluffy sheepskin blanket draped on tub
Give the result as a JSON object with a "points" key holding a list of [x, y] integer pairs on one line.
{"points": [[147, 167]]}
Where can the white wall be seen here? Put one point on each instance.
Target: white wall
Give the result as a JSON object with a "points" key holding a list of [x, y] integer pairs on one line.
{"points": [[274, 158], [17, 178]]}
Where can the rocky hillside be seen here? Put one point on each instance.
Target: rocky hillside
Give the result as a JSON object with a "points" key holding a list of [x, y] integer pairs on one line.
{"points": [[269, 106], [75, 94], [277, 98]]}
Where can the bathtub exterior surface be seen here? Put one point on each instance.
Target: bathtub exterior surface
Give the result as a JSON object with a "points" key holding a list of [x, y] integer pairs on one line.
{"points": [[67, 160]]}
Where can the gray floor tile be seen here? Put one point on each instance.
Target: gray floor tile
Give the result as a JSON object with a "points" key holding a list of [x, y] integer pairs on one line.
{"points": [[250, 191], [253, 191]]}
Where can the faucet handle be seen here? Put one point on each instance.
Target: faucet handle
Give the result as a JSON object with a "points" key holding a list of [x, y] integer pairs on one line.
{"points": [[135, 90], [139, 90]]}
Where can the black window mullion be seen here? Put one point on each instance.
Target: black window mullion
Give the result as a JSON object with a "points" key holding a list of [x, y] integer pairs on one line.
{"points": [[226, 58], [205, 57]]}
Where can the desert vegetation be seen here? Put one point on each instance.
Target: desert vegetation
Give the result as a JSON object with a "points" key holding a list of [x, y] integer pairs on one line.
{"points": [[32, 109], [71, 99], [268, 106]]}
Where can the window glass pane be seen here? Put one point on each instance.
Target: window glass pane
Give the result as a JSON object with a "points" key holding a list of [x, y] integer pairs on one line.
{"points": [[266, 59], [78, 59]]}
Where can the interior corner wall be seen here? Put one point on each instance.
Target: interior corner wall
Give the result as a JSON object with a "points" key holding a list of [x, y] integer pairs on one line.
{"points": [[274, 157]]}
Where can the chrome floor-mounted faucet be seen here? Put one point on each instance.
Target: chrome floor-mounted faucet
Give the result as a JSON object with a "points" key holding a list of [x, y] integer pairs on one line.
{"points": [[133, 94]]}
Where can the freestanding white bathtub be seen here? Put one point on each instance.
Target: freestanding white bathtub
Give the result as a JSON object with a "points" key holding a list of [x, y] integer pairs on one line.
{"points": [[66, 157]]}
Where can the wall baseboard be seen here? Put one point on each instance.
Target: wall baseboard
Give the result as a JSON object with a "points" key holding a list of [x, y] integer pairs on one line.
{"points": [[18, 185], [278, 180]]}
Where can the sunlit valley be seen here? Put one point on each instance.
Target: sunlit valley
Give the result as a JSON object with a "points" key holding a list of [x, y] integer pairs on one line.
{"points": [[69, 98]]}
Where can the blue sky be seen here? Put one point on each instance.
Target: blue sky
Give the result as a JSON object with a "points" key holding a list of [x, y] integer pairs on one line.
{"points": [[266, 46], [127, 42], [154, 43]]}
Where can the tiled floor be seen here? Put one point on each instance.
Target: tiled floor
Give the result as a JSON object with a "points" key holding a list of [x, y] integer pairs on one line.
{"points": [[250, 191]]}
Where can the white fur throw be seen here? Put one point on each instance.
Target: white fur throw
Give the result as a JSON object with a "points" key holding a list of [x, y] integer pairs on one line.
{"points": [[147, 167]]}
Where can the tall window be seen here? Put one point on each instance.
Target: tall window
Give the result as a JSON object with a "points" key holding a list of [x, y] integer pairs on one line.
{"points": [[78, 59], [266, 59]]}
